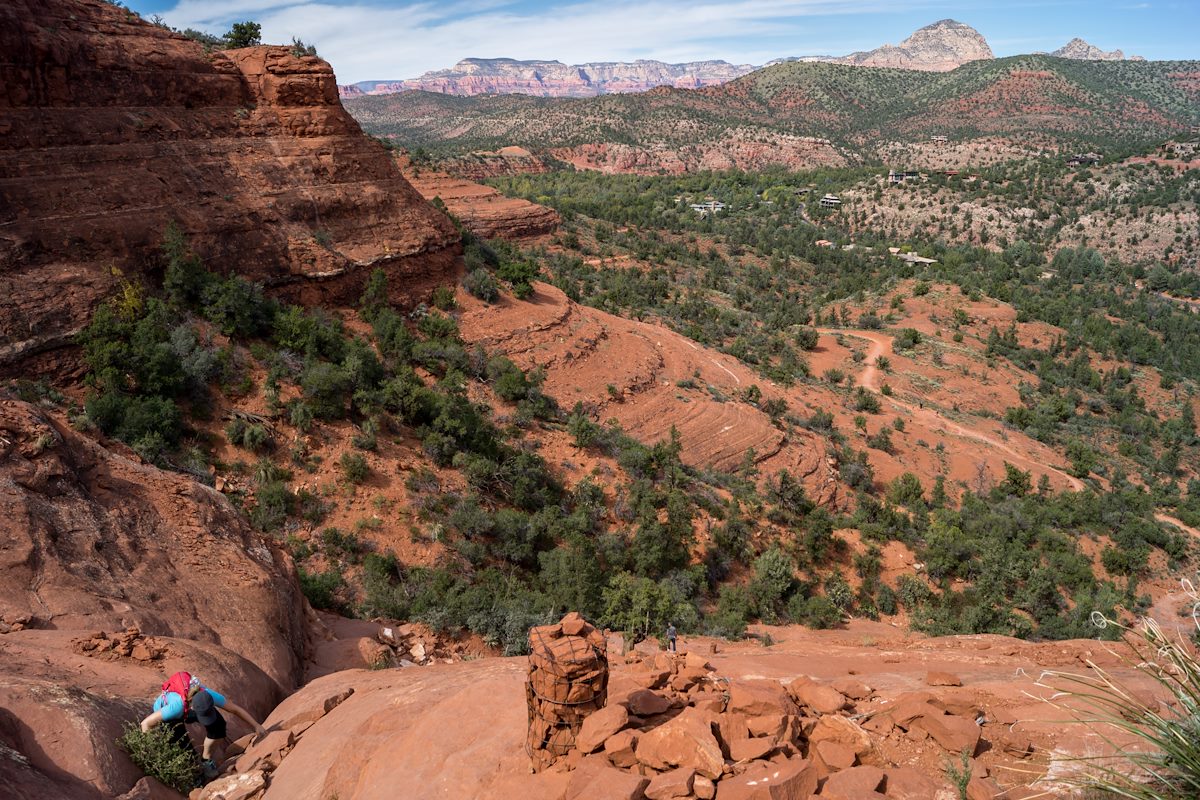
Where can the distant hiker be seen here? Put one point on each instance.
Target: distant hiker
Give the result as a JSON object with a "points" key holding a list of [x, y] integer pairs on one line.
{"points": [[671, 637], [184, 699]]}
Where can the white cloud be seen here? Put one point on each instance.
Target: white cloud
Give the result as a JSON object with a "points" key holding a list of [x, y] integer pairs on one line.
{"points": [[364, 40]]}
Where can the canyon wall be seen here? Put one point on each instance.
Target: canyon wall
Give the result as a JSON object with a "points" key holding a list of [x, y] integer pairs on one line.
{"points": [[111, 128]]}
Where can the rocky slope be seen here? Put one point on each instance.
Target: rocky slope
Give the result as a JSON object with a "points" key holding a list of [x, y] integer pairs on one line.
{"points": [[632, 372], [1079, 49], [483, 210], [556, 79], [115, 574], [113, 127], [861, 713]]}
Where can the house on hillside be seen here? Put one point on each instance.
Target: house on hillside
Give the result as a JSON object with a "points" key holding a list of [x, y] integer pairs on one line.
{"points": [[1084, 160], [913, 258], [708, 207], [830, 201], [901, 177], [823, 243], [939, 138]]}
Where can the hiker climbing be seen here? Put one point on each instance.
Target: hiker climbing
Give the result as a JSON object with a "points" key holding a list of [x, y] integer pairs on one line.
{"points": [[671, 637], [184, 699]]}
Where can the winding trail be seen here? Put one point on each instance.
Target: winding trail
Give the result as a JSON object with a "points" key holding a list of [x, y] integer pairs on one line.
{"points": [[882, 345]]}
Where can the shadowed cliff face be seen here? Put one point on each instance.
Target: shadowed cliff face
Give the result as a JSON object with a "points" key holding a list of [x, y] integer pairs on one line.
{"points": [[111, 127]]}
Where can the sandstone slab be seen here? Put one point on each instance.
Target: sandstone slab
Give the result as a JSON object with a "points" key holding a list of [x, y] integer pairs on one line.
{"points": [[794, 779], [685, 741], [601, 725]]}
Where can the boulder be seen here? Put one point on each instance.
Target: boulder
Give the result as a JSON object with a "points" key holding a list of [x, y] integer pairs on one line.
{"points": [[750, 749], [620, 748], [954, 734], [906, 783], [685, 741], [601, 725], [793, 779], [645, 703], [651, 678], [704, 788], [841, 731], [670, 785], [821, 699], [757, 698], [936, 678], [696, 661], [595, 780], [982, 789], [852, 688], [771, 726], [834, 755], [731, 727], [243, 786], [853, 783], [150, 789]]}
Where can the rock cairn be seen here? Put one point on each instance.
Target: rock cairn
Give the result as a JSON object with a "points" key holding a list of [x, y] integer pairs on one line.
{"points": [[130, 643], [568, 681]]}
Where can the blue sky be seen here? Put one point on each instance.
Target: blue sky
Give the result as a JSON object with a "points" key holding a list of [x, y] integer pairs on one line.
{"points": [[379, 39]]}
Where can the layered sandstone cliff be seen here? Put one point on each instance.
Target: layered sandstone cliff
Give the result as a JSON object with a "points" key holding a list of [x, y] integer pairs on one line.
{"points": [[111, 127], [556, 79], [481, 209]]}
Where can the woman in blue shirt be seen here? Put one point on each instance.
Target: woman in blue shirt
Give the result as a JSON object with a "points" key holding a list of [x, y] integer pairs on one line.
{"points": [[201, 706]]}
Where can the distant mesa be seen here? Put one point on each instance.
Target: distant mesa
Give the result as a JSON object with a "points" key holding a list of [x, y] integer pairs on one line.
{"points": [[939, 47], [473, 76], [1079, 49]]}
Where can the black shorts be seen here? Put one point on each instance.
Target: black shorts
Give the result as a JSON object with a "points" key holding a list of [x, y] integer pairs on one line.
{"points": [[217, 729]]}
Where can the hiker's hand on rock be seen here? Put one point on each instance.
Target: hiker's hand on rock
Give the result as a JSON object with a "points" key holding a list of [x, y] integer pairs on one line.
{"points": [[260, 731]]}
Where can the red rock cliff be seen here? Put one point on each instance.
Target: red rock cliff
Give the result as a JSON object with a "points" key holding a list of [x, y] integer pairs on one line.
{"points": [[111, 127]]}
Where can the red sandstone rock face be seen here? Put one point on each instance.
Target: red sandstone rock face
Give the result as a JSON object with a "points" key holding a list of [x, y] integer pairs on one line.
{"points": [[586, 351], [111, 127], [483, 210], [91, 541]]}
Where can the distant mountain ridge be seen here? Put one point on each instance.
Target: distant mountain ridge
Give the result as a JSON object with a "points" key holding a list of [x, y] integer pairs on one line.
{"points": [[1084, 51], [473, 76], [940, 47], [810, 114]]}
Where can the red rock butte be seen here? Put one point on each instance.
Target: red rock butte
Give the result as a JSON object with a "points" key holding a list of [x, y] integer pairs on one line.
{"points": [[111, 127]]}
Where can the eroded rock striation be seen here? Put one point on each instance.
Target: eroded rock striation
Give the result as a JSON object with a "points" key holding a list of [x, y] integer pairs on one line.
{"points": [[483, 210], [111, 127]]}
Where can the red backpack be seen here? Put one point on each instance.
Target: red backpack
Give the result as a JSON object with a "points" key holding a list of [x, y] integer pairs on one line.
{"points": [[180, 683]]}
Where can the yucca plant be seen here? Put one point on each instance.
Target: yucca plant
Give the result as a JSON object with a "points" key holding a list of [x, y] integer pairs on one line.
{"points": [[1153, 743]]}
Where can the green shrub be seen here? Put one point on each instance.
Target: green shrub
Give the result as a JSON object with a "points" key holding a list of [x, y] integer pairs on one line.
{"points": [[155, 754], [815, 612], [480, 283], [321, 588], [354, 467], [443, 298], [865, 401]]}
